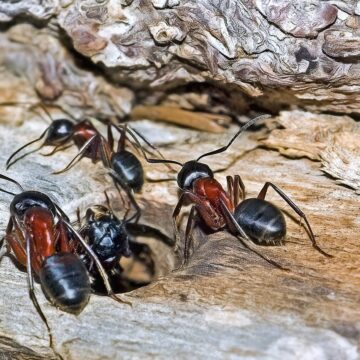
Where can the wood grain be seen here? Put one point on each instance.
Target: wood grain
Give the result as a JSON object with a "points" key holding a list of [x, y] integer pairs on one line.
{"points": [[227, 302]]}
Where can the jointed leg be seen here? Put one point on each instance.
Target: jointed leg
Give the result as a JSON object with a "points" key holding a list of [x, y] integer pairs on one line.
{"points": [[188, 234], [236, 189], [110, 137], [129, 193], [91, 142], [3, 248], [106, 151], [30, 280], [99, 266], [175, 215], [262, 195], [134, 135]]}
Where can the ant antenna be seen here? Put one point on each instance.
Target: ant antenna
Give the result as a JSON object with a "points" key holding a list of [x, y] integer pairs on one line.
{"points": [[10, 163], [242, 129], [11, 180]]}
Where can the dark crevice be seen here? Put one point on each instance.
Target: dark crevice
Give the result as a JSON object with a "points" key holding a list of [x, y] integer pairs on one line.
{"points": [[142, 267]]}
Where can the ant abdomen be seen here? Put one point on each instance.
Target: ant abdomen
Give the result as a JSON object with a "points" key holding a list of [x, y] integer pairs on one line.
{"points": [[65, 281], [129, 169], [262, 221]]}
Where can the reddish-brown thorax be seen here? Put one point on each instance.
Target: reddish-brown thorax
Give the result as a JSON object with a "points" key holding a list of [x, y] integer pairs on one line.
{"points": [[212, 194], [83, 132], [46, 238], [39, 226]]}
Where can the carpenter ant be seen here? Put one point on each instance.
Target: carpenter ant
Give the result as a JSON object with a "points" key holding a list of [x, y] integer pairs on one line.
{"points": [[124, 167], [106, 234], [43, 240], [109, 238], [251, 219]]}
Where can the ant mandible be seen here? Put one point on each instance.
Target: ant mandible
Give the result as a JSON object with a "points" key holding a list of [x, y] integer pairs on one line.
{"points": [[252, 219], [43, 240]]}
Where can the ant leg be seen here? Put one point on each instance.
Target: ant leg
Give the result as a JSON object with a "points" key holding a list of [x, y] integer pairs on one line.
{"points": [[3, 248], [78, 217], [188, 233], [236, 189], [134, 134], [239, 186], [230, 188], [129, 193], [188, 237], [121, 143], [99, 266], [32, 294], [106, 152], [79, 156], [175, 215], [262, 195], [108, 201], [60, 212], [244, 239], [13, 243], [110, 137]]}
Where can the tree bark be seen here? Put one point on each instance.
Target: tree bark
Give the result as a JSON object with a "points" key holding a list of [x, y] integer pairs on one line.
{"points": [[272, 53]]}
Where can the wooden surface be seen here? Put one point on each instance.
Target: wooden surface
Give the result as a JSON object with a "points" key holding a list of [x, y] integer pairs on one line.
{"points": [[227, 303], [96, 58]]}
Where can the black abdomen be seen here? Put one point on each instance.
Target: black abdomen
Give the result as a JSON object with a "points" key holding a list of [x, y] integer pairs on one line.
{"points": [[129, 169], [261, 221], [65, 281]]}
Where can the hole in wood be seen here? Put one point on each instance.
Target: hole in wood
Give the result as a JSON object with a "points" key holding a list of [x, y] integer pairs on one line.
{"points": [[152, 257]]}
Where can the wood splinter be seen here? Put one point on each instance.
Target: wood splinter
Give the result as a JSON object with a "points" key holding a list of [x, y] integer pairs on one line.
{"points": [[196, 120]]}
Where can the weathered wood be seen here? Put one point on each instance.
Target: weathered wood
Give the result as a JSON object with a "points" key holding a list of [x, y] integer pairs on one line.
{"points": [[227, 302], [333, 140], [277, 52]]}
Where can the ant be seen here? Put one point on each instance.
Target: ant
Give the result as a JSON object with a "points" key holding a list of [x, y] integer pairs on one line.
{"points": [[253, 220], [125, 168], [43, 240], [109, 238]]}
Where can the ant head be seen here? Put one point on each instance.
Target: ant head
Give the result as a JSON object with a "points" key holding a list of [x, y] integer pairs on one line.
{"points": [[191, 171], [29, 199], [96, 213], [26, 200], [59, 131]]}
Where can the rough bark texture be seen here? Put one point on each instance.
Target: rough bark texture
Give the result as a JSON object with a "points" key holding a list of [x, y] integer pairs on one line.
{"points": [[264, 50], [98, 58]]}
